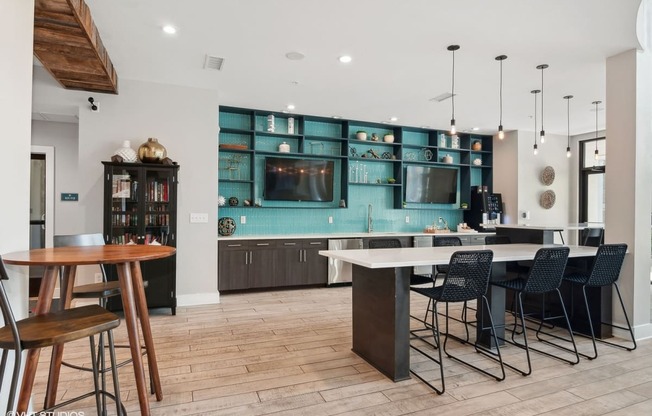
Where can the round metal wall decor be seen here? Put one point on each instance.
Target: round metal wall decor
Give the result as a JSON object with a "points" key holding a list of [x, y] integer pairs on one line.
{"points": [[226, 226], [547, 200], [548, 175]]}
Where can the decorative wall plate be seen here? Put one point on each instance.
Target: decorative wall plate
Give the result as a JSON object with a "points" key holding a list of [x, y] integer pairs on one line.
{"points": [[226, 226], [548, 175], [427, 153], [548, 198]]}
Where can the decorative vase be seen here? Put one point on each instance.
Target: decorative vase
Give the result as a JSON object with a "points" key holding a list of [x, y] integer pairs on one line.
{"points": [[388, 138], [284, 148], [226, 226], [448, 159], [126, 152], [476, 145], [152, 151], [233, 201], [361, 135]]}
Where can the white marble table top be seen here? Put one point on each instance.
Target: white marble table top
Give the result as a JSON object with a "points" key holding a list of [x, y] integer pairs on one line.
{"points": [[382, 258]]}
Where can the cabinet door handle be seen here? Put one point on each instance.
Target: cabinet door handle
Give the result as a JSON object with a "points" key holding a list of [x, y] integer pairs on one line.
{"points": [[289, 244], [262, 244], [300, 256], [234, 245], [304, 255], [315, 243], [246, 258], [251, 257]]}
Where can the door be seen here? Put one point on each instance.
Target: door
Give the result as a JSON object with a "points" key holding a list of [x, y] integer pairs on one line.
{"points": [[41, 208]]}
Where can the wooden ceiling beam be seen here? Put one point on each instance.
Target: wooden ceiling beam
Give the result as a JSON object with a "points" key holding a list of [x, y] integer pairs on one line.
{"points": [[68, 44]]}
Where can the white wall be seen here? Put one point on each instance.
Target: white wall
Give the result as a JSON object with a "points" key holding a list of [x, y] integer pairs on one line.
{"points": [[517, 173], [63, 137], [16, 22], [185, 120]]}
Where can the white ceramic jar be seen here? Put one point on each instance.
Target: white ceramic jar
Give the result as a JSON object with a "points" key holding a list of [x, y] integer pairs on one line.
{"points": [[284, 148]]}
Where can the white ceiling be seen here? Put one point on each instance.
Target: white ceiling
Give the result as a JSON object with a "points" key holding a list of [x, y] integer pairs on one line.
{"points": [[399, 55]]}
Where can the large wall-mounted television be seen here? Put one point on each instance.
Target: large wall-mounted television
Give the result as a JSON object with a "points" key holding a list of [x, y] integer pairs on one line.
{"points": [[298, 179], [431, 185]]}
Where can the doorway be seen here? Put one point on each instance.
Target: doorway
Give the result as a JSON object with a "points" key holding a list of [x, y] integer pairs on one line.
{"points": [[41, 207]]}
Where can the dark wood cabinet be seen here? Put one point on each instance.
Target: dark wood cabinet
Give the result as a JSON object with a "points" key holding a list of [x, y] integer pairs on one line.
{"points": [[140, 207], [250, 264]]}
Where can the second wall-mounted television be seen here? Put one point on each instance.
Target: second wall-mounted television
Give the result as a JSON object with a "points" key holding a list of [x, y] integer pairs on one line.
{"points": [[298, 179], [431, 185]]}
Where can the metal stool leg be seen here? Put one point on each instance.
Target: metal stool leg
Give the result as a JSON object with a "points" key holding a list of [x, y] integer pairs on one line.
{"points": [[96, 375], [114, 371]]}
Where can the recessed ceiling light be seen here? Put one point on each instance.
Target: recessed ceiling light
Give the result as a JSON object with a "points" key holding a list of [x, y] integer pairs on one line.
{"points": [[169, 29], [290, 107], [476, 128], [393, 119], [295, 56], [345, 59]]}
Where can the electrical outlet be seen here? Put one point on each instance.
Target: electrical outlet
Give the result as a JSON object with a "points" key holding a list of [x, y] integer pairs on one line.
{"points": [[407, 219], [198, 217], [98, 277], [330, 219], [243, 219]]}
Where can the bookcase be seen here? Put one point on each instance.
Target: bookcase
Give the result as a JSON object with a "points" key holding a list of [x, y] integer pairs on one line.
{"points": [[140, 207]]}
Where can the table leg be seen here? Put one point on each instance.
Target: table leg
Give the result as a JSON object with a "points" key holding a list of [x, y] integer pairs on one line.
{"points": [[143, 313], [43, 305], [129, 306], [496, 297], [67, 284]]}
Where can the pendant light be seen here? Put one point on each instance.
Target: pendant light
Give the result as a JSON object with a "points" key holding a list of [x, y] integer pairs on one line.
{"points": [[568, 150], [453, 48], [501, 133], [543, 132], [536, 148], [595, 154]]}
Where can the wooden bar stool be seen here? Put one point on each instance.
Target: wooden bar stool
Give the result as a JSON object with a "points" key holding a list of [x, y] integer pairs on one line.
{"points": [[54, 328]]}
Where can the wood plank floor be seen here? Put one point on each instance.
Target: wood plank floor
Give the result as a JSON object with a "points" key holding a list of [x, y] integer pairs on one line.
{"points": [[289, 353]]}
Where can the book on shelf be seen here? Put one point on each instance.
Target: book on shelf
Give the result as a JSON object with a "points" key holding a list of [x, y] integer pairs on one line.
{"points": [[121, 186]]}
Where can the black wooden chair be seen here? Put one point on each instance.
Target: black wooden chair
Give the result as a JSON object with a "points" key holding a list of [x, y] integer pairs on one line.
{"points": [[46, 330], [467, 279], [544, 276], [447, 241], [604, 272]]}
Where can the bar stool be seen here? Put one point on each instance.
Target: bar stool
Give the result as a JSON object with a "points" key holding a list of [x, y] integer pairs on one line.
{"points": [[46, 330], [467, 279], [544, 276], [604, 272]]}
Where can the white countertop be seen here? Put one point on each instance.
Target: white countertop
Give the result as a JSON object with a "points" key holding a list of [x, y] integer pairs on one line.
{"points": [[530, 227], [344, 235], [382, 258]]}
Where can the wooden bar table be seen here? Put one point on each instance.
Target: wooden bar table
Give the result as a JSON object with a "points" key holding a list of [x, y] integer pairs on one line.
{"points": [[381, 296], [127, 259]]}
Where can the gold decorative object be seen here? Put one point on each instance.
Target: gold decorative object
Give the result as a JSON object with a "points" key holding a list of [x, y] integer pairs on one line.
{"points": [[477, 145], [151, 151]]}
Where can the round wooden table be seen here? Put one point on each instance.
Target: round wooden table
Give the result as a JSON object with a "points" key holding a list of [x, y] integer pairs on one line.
{"points": [[127, 259]]}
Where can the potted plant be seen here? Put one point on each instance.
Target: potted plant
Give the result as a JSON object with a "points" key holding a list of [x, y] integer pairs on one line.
{"points": [[361, 135]]}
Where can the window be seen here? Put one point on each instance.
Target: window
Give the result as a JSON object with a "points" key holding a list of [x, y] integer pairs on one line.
{"points": [[592, 170]]}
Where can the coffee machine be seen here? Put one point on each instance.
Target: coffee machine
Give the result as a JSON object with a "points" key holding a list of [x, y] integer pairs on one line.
{"points": [[485, 211]]}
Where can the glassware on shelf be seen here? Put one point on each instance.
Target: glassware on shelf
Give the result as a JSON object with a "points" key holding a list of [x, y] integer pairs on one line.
{"points": [[455, 142], [442, 140]]}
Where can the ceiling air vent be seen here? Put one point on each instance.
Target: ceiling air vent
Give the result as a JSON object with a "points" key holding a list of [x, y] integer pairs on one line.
{"points": [[213, 62]]}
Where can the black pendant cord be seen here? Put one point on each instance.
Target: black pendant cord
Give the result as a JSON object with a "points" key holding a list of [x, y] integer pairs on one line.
{"points": [[535, 117], [568, 120], [501, 93], [542, 130], [453, 89]]}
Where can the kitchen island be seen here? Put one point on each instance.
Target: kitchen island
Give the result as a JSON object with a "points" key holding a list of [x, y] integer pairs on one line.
{"points": [[381, 296]]}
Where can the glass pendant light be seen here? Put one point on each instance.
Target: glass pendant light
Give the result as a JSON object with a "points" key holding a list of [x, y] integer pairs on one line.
{"points": [[568, 98], [543, 132], [536, 148], [595, 154], [501, 133], [453, 48]]}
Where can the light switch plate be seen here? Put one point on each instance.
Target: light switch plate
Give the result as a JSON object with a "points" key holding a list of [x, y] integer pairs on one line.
{"points": [[243, 219], [330, 220], [198, 217]]}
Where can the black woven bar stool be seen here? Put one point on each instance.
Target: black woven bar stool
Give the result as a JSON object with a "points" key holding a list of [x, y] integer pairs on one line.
{"points": [[467, 279], [604, 272], [544, 276]]}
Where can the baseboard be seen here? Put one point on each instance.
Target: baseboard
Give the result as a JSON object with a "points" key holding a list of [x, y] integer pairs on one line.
{"points": [[198, 299], [641, 332]]}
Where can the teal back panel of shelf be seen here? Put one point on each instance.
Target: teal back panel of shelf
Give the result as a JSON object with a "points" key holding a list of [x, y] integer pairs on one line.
{"points": [[235, 166], [235, 121], [235, 138], [417, 138], [353, 128], [280, 124], [262, 221], [323, 129], [270, 143]]}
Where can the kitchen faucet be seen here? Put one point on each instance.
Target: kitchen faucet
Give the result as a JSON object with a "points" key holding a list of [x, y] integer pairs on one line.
{"points": [[370, 221], [441, 219]]}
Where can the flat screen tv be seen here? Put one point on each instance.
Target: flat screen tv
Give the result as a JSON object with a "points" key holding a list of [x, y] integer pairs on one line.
{"points": [[298, 180], [431, 185]]}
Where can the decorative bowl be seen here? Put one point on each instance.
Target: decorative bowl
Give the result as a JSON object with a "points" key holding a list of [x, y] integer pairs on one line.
{"points": [[388, 138]]}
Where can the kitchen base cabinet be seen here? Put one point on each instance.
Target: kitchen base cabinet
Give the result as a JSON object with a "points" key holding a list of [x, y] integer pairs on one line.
{"points": [[255, 264]]}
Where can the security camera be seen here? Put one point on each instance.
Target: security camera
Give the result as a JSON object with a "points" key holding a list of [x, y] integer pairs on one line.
{"points": [[94, 106]]}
